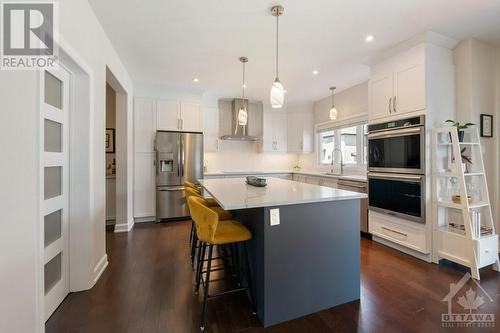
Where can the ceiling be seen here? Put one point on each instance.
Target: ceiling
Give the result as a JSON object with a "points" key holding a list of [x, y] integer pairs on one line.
{"points": [[171, 42]]}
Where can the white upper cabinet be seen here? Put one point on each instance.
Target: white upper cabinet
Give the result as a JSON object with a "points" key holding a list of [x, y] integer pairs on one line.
{"points": [[274, 138], [380, 95], [191, 117], [179, 116], [168, 115], [144, 124], [398, 85], [300, 132], [409, 88]]}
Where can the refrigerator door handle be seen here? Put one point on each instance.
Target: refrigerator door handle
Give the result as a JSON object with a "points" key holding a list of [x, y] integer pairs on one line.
{"points": [[171, 189], [183, 157], [178, 158]]}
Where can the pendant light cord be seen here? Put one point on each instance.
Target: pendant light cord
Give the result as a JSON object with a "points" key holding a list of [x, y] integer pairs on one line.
{"points": [[243, 85], [277, 39]]}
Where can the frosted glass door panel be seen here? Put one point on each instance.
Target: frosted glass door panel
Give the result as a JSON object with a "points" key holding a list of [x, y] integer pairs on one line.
{"points": [[53, 91], [52, 272], [52, 182], [53, 136], [52, 230]]}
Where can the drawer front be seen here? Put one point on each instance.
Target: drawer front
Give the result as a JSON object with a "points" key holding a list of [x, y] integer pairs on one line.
{"points": [[486, 250], [412, 238]]}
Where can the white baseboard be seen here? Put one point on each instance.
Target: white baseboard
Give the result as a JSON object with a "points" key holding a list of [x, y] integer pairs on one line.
{"points": [[99, 268], [145, 219], [124, 227], [416, 254]]}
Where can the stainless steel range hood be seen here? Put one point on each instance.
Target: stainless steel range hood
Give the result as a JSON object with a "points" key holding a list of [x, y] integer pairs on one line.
{"points": [[239, 132]]}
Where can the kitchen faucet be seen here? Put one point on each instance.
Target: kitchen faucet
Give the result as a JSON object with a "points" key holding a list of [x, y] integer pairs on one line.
{"points": [[341, 160]]}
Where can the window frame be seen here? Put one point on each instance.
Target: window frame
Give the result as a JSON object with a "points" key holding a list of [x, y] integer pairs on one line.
{"points": [[336, 128]]}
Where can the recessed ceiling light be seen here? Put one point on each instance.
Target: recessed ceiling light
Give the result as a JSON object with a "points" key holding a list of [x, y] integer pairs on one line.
{"points": [[315, 72], [369, 38], [196, 79], [284, 91], [243, 85]]}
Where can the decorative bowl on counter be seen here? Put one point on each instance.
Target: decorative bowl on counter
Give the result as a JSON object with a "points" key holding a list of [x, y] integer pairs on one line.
{"points": [[256, 181]]}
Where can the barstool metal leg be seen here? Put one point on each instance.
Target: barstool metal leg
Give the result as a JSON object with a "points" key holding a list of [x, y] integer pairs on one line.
{"points": [[193, 247], [207, 284], [201, 257], [191, 233]]}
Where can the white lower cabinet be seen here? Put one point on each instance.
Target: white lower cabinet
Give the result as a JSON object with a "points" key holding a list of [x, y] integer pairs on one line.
{"points": [[409, 234], [328, 182], [299, 178], [312, 180], [144, 185], [287, 176]]}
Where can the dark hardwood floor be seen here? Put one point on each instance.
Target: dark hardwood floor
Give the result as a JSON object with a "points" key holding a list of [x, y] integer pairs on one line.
{"points": [[147, 287]]}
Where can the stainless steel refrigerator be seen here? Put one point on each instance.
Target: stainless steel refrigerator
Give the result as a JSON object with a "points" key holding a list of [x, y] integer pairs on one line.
{"points": [[179, 157]]}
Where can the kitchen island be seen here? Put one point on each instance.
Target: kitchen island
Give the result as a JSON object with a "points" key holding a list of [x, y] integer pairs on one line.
{"points": [[305, 250]]}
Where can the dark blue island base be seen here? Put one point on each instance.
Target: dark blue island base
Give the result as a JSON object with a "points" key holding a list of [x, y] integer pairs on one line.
{"points": [[307, 263]]}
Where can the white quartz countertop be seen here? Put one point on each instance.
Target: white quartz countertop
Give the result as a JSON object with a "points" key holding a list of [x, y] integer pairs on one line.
{"points": [[234, 193], [352, 177]]}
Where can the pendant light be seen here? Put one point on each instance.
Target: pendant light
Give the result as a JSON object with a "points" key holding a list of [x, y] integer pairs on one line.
{"points": [[333, 110], [242, 112], [277, 90]]}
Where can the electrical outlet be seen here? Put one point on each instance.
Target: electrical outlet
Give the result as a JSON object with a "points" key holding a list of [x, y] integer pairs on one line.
{"points": [[274, 216]]}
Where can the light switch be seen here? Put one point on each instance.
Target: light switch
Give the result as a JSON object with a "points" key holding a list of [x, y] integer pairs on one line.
{"points": [[274, 216]]}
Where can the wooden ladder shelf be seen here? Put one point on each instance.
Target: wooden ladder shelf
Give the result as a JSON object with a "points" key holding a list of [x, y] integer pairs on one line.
{"points": [[464, 229]]}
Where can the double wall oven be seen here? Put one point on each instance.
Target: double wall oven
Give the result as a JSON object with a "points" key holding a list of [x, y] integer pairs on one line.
{"points": [[396, 168]]}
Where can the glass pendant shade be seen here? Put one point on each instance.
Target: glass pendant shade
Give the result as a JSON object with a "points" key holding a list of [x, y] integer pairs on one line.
{"points": [[277, 95], [242, 116], [333, 113]]}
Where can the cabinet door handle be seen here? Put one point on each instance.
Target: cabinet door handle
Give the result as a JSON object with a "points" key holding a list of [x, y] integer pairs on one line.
{"points": [[182, 123], [396, 232], [390, 100], [394, 104]]}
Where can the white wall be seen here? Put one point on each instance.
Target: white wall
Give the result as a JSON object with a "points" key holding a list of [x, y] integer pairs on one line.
{"points": [[244, 156], [19, 240], [351, 103], [477, 90]]}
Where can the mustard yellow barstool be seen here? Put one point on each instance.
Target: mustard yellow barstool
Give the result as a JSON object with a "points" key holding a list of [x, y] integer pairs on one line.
{"points": [[187, 183], [212, 231], [212, 204]]}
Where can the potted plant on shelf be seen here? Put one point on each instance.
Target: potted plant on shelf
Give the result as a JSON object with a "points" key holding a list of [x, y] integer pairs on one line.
{"points": [[460, 128], [466, 160]]}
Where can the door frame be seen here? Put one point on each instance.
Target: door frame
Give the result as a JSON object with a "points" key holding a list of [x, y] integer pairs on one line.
{"points": [[60, 202], [81, 180]]}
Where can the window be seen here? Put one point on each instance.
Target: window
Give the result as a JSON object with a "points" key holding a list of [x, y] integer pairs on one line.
{"points": [[327, 143], [350, 140], [348, 144]]}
